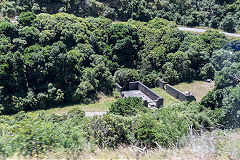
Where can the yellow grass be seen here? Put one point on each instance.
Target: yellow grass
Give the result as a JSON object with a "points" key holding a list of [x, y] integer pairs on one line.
{"points": [[198, 88]]}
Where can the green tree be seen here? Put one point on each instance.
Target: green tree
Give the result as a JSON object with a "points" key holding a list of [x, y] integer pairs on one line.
{"points": [[26, 18], [124, 42], [127, 106], [124, 76], [228, 24], [231, 107]]}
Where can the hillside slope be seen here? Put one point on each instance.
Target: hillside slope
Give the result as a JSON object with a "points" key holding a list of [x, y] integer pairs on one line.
{"points": [[214, 13]]}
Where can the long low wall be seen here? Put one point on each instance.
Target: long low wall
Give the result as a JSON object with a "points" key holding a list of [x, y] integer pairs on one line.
{"points": [[161, 84], [133, 85], [172, 91], [155, 97], [178, 94], [120, 88], [148, 91]]}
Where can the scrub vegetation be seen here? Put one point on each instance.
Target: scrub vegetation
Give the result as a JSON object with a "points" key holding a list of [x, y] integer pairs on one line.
{"points": [[50, 60]]}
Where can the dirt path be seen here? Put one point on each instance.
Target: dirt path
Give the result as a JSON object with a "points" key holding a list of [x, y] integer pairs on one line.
{"points": [[91, 114]]}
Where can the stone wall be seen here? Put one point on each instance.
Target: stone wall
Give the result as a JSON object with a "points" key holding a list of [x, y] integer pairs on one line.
{"points": [[155, 97], [145, 103], [147, 91], [144, 89], [161, 84], [172, 91], [133, 85], [120, 88], [179, 95]]}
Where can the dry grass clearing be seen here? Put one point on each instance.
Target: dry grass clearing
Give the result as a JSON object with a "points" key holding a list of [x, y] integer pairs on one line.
{"points": [[198, 88], [102, 105]]}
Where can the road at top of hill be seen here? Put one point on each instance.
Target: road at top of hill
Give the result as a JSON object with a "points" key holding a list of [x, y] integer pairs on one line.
{"points": [[203, 30]]}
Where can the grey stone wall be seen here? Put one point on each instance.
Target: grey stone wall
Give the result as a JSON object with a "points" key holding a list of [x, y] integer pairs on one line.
{"points": [[190, 98], [181, 96], [161, 84], [133, 85], [155, 97], [147, 91], [144, 89], [172, 91], [159, 102], [120, 88], [145, 103], [178, 94]]}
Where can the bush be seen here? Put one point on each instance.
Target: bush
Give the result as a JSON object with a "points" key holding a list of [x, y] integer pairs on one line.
{"points": [[110, 130], [76, 113], [150, 80], [127, 106], [228, 24], [33, 136], [168, 126], [231, 107], [125, 75]]}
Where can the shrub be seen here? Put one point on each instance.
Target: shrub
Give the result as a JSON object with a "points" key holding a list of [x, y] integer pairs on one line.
{"points": [[150, 80], [127, 106], [168, 126], [33, 136], [110, 130], [228, 24], [231, 107], [76, 113], [125, 75], [70, 135]]}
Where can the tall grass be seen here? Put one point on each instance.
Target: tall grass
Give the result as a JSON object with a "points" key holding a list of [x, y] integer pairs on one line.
{"points": [[215, 145]]}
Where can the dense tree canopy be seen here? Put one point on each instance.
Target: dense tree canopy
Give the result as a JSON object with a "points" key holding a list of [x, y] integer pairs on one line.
{"points": [[47, 60], [210, 13], [62, 58]]}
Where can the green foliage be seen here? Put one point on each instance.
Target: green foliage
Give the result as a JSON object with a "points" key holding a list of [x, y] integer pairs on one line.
{"points": [[26, 18], [8, 8], [123, 43], [76, 113], [124, 76], [110, 130], [48, 60], [150, 80], [222, 14], [33, 136], [228, 24], [225, 94], [231, 107], [127, 106], [168, 125], [36, 134], [8, 29]]}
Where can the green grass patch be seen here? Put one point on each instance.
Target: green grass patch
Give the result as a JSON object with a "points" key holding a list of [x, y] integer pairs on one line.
{"points": [[198, 88], [168, 99], [102, 105]]}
